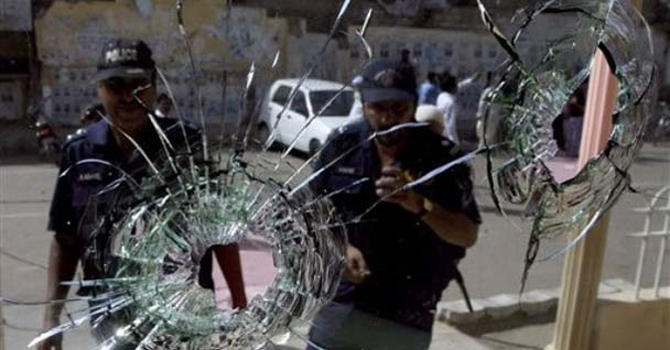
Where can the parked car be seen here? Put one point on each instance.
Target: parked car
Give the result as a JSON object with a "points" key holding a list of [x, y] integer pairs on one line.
{"points": [[312, 98]]}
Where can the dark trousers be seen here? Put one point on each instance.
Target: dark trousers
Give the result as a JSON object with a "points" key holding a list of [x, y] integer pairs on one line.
{"points": [[342, 327]]}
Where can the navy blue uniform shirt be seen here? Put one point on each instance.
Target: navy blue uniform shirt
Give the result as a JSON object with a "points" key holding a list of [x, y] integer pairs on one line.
{"points": [[410, 265], [96, 181]]}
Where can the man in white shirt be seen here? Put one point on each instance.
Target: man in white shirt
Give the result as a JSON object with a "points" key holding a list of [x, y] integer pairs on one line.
{"points": [[356, 112], [446, 104]]}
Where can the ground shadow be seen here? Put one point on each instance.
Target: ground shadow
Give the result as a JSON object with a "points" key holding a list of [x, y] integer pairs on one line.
{"points": [[517, 320], [518, 332]]}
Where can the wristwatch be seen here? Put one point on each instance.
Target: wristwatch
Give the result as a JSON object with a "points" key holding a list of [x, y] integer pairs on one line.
{"points": [[428, 206]]}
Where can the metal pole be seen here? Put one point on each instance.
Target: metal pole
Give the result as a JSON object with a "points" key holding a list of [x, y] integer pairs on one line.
{"points": [[2, 315], [661, 253], [643, 249], [575, 317], [583, 264], [2, 329]]}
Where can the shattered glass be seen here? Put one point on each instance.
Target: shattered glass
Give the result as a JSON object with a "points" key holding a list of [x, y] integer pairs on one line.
{"points": [[199, 193], [532, 90], [158, 244]]}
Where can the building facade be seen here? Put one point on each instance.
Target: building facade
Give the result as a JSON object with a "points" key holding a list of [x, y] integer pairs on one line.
{"points": [[15, 57], [226, 40]]}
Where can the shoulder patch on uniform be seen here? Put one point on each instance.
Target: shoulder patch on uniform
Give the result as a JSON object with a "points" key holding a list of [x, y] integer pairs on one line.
{"points": [[79, 134], [352, 127], [453, 149], [343, 128]]}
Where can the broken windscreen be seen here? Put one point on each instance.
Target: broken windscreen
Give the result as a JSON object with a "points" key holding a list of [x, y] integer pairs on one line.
{"points": [[375, 220]]}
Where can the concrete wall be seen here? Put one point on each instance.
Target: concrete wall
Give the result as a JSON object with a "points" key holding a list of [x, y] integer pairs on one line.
{"points": [[12, 98], [70, 37], [624, 323], [15, 15], [461, 53], [15, 27]]}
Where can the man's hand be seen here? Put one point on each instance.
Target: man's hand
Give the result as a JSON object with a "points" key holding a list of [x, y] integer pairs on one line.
{"points": [[391, 180], [63, 259], [451, 226], [357, 270], [54, 342]]}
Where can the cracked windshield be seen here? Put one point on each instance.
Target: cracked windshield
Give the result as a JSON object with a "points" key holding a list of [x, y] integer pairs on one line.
{"points": [[334, 174]]}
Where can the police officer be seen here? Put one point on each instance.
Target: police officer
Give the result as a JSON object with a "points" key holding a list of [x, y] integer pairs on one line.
{"points": [[126, 83], [402, 252]]}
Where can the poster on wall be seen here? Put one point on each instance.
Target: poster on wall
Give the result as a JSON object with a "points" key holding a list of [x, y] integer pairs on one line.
{"points": [[10, 100], [15, 15]]}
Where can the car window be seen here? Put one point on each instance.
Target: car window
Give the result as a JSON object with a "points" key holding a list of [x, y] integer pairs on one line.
{"points": [[281, 95], [299, 104], [340, 105]]}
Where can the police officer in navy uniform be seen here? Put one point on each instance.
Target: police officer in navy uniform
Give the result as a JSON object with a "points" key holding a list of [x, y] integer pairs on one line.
{"points": [[403, 251], [84, 200]]}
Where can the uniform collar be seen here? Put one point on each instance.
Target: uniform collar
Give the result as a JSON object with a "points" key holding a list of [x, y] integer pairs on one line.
{"points": [[365, 130], [101, 138], [99, 134], [416, 149]]}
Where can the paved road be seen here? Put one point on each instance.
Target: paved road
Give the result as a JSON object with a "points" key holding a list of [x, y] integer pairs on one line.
{"points": [[493, 266]]}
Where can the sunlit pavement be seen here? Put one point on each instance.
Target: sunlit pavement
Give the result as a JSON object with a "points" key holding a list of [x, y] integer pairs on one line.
{"points": [[492, 267]]}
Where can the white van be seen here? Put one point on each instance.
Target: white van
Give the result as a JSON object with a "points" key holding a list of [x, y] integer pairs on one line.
{"points": [[311, 98]]}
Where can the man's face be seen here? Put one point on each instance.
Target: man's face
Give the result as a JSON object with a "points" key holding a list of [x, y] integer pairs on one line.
{"points": [[119, 96], [385, 115]]}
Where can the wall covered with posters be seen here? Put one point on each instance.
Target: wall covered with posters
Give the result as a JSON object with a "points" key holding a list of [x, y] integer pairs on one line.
{"points": [[11, 99], [70, 37], [227, 39], [15, 27], [463, 54], [15, 16]]}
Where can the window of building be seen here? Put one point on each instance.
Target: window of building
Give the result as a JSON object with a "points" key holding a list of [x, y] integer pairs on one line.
{"points": [[384, 50], [493, 51], [417, 50], [478, 51], [448, 49]]}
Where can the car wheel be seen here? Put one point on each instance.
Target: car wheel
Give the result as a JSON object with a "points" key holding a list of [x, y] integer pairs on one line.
{"points": [[314, 146], [263, 133]]}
